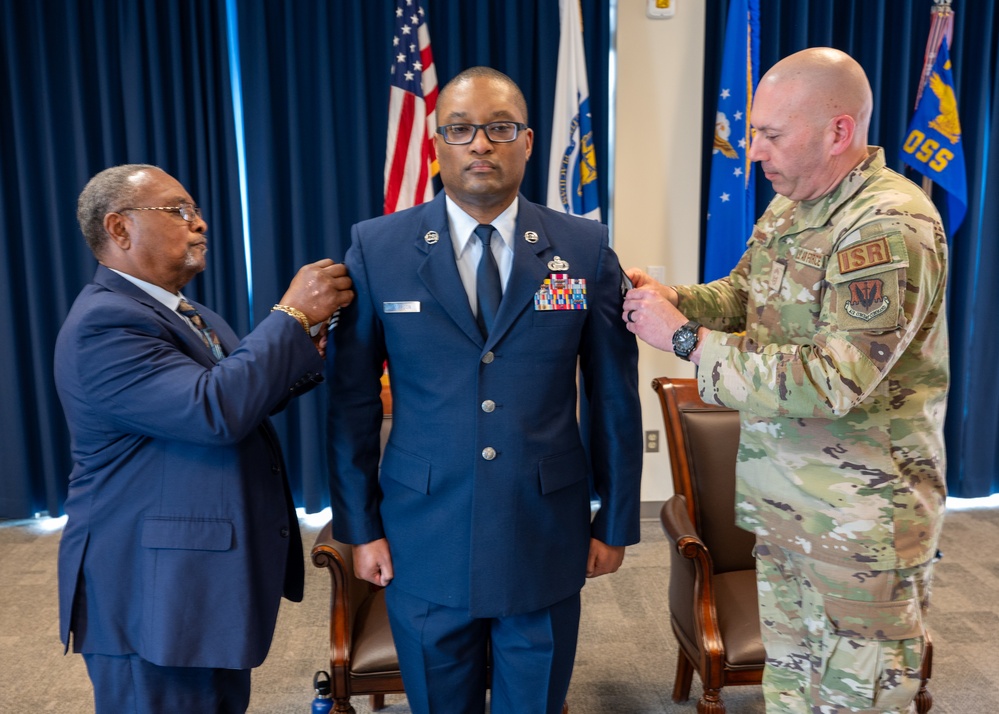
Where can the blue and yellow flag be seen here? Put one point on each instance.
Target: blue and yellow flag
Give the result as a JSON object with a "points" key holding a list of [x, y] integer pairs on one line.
{"points": [[731, 201], [933, 143]]}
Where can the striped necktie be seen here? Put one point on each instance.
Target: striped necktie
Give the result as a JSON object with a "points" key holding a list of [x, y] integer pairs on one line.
{"points": [[208, 335], [488, 288]]}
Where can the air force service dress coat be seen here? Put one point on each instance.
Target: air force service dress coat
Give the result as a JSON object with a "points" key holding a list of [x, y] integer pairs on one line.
{"points": [[484, 491], [182, 536]]}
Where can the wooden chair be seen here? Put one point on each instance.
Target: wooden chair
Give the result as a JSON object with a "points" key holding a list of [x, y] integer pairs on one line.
{"points": [[712, 584], [363, 660]]}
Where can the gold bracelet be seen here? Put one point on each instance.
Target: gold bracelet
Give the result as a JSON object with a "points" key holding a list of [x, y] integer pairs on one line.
{"points": [[297, 314]]}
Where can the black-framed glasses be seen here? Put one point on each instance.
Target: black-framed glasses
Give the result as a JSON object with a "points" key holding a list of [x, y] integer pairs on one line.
{"points": [[188, 211], [498, 132]]}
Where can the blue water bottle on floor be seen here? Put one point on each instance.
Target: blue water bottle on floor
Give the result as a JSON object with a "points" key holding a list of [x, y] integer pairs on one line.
{"points": [[323, 703]]}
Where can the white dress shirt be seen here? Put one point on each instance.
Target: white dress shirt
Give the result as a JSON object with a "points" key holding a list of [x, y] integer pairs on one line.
{"points": [[171, 300], [468, 249]]}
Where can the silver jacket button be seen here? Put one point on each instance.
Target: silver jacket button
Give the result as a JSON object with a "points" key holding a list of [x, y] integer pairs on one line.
{"points": [[488, 406], [489, 453], [488, 358]]}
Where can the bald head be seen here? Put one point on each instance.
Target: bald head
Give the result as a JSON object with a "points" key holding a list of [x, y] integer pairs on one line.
{"points": [[811, 114], [826, 83]]}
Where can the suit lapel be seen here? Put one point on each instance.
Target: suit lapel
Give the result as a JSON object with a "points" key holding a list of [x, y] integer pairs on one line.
{"points": [[196, 349], [439, 272], [528, 272]]}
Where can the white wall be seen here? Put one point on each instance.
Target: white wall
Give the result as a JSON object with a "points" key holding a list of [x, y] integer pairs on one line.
{"points": [[657, 176]]}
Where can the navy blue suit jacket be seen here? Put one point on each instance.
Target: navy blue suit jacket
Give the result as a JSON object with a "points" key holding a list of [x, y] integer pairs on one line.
{"points": [[505, 535], [182, 535]]}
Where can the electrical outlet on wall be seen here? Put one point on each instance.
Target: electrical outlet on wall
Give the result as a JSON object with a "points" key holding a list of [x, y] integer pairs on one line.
{"points": [[656, 272]]}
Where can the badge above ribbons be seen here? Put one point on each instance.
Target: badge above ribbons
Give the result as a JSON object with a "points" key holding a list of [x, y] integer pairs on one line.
{"points": [[559, 291]]}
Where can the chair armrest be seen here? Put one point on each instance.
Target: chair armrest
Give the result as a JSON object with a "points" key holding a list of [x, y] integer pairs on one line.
{"points": [[691, 588], [682, 534], [348, 593]]}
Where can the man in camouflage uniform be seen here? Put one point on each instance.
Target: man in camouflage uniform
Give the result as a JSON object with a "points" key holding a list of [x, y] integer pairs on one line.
{"points": [[830, 338]]}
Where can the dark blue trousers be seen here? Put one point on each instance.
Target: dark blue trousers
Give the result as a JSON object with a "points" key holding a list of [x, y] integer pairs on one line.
{"points": [[128, 684], [444, 654]]}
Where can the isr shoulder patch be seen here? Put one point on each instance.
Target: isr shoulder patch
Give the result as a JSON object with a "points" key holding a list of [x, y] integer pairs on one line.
{"points": [[864, 255]]}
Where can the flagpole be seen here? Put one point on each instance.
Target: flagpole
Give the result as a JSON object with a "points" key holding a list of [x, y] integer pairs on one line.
{"points": [[941, 25]]}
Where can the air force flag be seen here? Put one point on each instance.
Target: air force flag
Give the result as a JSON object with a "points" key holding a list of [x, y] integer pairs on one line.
{"points": [[572, 167], [731, 197], [933, 144]]}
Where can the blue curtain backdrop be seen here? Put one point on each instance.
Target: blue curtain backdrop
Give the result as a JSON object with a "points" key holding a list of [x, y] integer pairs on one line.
{"points": [[315, 78], [888, 38], [85, 85]]}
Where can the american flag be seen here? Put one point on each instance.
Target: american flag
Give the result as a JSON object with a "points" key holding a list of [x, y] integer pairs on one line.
{"points": [[410, 160]]}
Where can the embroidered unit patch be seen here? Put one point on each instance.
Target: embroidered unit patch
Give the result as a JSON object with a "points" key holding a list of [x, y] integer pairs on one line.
{"points": [[867, 299]]}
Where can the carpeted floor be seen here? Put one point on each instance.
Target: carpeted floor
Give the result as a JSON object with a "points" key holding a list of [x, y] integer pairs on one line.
{"points": [[626, 653]]}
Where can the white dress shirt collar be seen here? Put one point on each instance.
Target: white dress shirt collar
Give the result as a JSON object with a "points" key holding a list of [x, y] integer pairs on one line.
{"points": [[167, 298], [171, 300], [467, 251], [462, 226]]}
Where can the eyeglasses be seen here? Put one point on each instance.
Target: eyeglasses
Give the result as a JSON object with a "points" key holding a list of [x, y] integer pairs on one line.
{"points": [[498, 132], [188, 211]]}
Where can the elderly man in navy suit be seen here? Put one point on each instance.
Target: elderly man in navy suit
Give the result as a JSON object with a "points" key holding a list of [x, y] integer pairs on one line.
{"points": [[484, 305], [182, 536]]}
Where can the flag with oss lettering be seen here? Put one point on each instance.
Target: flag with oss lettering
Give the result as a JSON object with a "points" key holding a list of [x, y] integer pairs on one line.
{"points": [[572, 166], [933, 143], [731, 199], [410, 159]]}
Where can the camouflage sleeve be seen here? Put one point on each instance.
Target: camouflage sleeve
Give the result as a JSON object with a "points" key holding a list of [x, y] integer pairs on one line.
{"points": [[822, 346], [721, 304]]}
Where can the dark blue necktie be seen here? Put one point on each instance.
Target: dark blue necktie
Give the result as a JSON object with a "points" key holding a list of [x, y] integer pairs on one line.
{"points": [[488, 288]]}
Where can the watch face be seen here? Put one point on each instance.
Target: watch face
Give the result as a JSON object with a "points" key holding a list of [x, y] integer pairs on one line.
{"points": [[684, 341]]}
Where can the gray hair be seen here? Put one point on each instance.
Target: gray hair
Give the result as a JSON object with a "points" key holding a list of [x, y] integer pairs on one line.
{"points": [[487, 73], [108, 191]]}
